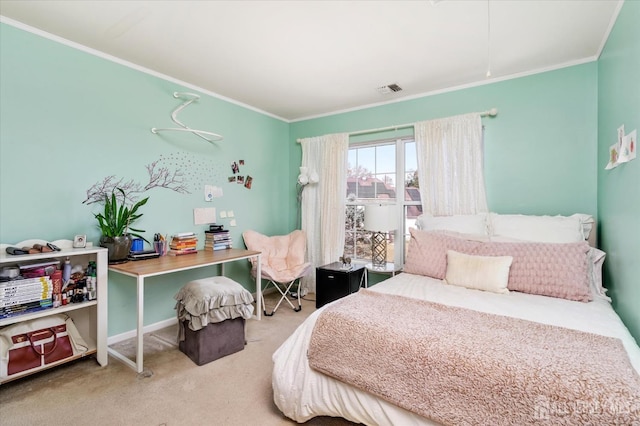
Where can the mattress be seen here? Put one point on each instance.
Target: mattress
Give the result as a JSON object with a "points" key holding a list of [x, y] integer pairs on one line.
{"points": [[302, 393]]}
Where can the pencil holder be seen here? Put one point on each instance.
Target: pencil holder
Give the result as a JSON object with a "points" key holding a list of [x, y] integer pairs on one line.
{"points": [[160, 247]]}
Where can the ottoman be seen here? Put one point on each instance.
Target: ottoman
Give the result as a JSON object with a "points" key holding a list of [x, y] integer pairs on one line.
{"points": [[211, 315]]}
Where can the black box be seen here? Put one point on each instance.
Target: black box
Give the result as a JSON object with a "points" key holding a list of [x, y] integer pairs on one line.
{"points": [[334, 282], [213, 341]]}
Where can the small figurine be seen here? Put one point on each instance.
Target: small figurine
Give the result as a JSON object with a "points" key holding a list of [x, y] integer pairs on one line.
{"points": [[346, 261]]}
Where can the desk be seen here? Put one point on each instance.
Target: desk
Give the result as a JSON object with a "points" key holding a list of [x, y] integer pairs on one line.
{"points": [[142, 269]]}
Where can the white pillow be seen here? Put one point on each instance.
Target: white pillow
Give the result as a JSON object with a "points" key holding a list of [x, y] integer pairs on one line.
{"points": [[475, 224], [587, 222], [543, 229], [594, 266], [488, 273]]}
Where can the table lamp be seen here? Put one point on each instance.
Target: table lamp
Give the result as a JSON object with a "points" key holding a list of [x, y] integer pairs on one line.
{"points": [[379, 219]]}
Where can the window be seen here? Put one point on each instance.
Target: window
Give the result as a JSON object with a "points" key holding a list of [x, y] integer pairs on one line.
{"points": [[378, 172]]}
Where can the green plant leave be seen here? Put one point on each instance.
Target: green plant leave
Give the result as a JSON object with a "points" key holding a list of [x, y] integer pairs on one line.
{"points": [[116, 219]]}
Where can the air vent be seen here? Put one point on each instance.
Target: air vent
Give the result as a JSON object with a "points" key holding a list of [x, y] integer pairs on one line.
{"points": [[390, 88]]}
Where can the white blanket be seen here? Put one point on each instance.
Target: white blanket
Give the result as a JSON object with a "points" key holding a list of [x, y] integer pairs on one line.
{"points": [[302, 393]]}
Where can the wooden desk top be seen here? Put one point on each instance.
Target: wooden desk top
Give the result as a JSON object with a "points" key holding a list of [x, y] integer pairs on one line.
{"points": [[167, 264]]}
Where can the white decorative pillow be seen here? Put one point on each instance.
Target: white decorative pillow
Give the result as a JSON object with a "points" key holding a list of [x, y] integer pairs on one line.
{"points": [[475, 224], [594, 266], [542, 229], [488, 273]]}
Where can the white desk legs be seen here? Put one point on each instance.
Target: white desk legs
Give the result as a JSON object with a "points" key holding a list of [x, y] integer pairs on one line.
{"points": [[137, 365], [140, 326]]}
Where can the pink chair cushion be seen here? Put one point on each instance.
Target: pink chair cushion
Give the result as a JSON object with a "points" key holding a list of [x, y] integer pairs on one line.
{"points": [[282, 255]]}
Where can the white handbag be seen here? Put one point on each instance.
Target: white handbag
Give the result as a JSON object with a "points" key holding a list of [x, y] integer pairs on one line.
{"points": [[32, 345]]}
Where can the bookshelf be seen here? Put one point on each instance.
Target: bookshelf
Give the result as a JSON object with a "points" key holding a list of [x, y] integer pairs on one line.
{"points": [[89, 317]]}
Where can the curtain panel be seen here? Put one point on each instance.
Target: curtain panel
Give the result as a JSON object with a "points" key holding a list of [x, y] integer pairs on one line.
{"points": [[451, 166], [323, 205]]}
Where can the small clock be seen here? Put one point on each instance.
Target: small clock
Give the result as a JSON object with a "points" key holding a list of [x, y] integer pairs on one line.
{"points": [[79, 241]]}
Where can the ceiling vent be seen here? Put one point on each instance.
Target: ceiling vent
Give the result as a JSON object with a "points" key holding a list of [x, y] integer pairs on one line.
{"points": [[390, 88]]}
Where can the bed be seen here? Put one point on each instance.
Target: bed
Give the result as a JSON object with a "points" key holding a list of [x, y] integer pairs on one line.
{"points": [[572, 326]]}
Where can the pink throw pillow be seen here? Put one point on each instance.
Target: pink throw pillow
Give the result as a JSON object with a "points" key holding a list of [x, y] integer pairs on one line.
{"points": [[549, 269], [427, 252]]}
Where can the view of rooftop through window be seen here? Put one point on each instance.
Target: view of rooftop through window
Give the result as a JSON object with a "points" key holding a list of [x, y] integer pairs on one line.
{"points": [[375, 175]]}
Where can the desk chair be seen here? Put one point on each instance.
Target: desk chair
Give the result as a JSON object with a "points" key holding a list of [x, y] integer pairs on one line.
{"points": [[282, 262]]}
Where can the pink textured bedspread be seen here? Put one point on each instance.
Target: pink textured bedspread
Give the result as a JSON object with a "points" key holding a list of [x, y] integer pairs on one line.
{"points": [[458, 366]]}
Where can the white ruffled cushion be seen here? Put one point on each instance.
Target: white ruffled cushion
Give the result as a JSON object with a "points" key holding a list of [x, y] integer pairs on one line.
{"points": [[543, 229]]}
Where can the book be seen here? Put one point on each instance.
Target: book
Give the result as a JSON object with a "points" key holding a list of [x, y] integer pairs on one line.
{"points": [[187, 244], [43, 302], [26, 310], [14, 294], [184, 234], [184, 240], [211, 243], [23, 281], [181, 252], [24, 298], [216, 237], [25, 287]]}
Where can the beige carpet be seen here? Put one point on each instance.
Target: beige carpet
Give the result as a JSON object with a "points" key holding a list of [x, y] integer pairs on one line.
{"points": [[234, 390]]}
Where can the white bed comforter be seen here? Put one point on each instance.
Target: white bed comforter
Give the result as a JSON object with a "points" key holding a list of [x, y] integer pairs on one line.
{"points": [[302, 393]]}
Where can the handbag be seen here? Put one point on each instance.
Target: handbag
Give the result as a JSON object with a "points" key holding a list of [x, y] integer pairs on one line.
{"points": [[33, 344]]}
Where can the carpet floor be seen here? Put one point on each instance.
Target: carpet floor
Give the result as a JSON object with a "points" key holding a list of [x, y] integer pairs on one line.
{"points": [[233, 390]]}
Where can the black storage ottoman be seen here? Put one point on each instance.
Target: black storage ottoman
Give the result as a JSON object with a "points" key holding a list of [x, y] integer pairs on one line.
{"points": [[211, 314], [213, 341]]}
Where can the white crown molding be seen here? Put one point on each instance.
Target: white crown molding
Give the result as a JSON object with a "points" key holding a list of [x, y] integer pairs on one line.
{"points": [[607, 33]]}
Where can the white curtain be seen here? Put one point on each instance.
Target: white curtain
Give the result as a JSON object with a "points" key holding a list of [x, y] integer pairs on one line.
{"points": [[323, 204], [450, 165]]}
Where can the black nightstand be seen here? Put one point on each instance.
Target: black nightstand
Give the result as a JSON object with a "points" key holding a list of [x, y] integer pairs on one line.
{"points": [[333, 282]]}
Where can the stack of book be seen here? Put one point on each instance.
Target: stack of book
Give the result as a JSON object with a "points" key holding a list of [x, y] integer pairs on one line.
{"points": [[20, 296], [183, 243], [217, 239]]}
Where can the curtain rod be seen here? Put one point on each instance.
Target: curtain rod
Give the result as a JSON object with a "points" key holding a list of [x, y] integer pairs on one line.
{"points": [[490, 112]]}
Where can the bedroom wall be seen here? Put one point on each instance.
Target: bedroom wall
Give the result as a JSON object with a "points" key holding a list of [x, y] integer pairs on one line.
{"points": [[540, 151], [619, 189], [71, 119]]}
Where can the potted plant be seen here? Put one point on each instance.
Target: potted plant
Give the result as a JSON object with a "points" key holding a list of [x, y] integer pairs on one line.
{"points": [[115, 223]]}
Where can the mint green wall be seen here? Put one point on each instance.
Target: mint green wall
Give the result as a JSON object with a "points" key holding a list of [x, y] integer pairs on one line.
{"points": [[619, 189], [68, 119], [540, 151]]}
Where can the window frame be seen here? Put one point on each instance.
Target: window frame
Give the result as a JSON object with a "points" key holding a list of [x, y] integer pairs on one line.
{"points": [[400, 202]]}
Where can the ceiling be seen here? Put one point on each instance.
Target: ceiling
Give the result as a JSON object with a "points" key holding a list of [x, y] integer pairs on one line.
{"points": [[301, 59]]}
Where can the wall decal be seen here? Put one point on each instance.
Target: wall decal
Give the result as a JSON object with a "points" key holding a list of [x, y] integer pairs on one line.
{"points": [[159, 177], [198, 170]]}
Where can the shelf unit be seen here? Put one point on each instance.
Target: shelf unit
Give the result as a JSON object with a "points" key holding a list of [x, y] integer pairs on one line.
{"points": [[90, 318]]}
